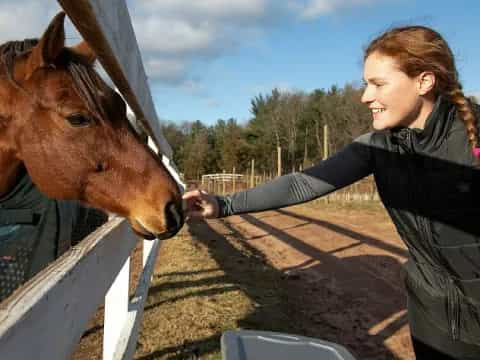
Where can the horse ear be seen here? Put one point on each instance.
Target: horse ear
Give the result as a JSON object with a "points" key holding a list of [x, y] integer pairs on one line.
{"points": [[50, 44], [84, 50]]}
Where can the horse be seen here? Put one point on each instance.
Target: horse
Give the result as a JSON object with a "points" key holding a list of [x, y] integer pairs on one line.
{"points": [[62, 126]]}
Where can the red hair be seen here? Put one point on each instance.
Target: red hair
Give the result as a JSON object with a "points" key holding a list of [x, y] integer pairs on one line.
{"points": [[417, 49]]}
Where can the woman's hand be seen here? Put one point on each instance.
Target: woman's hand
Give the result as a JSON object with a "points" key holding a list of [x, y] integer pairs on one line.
{"points": [[198, 204]]}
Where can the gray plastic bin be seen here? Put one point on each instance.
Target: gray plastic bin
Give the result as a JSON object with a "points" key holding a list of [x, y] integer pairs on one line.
{"points": [[264, 345]]}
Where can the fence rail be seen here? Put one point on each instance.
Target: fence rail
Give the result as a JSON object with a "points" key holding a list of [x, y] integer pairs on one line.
{"points": [[46, 317], [221, 177]]}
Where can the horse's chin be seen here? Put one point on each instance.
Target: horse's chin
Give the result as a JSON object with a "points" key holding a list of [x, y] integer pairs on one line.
{"points": [[142, 231], [138, 229]]}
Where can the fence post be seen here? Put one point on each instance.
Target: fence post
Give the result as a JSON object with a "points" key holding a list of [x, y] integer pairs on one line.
{"points": [[325, 142], [252, 175], [223, 182], [325, 151], [234, 176], [279, 161], [116, 308]]}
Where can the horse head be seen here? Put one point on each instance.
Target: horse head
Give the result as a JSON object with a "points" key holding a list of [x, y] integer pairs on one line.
{"points": [[69, 129]]}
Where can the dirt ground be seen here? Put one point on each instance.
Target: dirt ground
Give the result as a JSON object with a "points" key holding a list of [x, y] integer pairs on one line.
{"points": [[327, 271], [345, 269]]}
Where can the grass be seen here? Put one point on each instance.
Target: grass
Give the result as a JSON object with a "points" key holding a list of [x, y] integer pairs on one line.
{"points": [[205, 285], [373, 206]]}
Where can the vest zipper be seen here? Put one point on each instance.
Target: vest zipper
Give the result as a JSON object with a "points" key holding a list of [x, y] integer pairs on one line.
{"points": [[453, 292]]}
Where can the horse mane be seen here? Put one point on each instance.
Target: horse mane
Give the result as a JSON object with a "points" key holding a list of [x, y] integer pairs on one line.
{"points": [[10, 50], [88, 84]]}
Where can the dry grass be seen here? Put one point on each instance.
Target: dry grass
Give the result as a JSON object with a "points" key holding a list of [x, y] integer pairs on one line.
{"points": [[204, 286], [369, 206]]}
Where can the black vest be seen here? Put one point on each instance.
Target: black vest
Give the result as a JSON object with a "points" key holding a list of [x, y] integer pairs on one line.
{"points": [[428, 182], [34, 230]]}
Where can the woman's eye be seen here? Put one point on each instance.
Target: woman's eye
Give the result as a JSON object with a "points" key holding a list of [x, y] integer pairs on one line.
{"points": [[78, 120]]}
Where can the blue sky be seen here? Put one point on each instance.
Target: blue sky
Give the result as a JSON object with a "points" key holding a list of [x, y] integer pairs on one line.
{"points": [[304, 54], [206, 59]]}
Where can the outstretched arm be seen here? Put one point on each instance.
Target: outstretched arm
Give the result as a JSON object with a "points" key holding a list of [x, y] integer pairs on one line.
{"points": [[344, 168]]}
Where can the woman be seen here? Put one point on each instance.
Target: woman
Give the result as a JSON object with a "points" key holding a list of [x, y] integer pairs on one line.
{"points": [[423, 154]]}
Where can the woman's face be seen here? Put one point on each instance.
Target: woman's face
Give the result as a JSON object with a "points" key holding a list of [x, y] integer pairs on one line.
{"points": [[392, 96]]}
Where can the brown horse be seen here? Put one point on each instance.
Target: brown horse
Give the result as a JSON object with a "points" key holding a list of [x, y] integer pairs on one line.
{"points": [[63, 124]]}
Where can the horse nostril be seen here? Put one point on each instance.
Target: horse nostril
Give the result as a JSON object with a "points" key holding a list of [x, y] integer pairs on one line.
{"points": [[174, 216]]}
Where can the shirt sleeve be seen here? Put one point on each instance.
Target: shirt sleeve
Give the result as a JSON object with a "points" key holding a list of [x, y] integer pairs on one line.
{"points": [[347, 166]]}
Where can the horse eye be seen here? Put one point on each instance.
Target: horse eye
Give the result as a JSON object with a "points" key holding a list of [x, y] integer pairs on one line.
{"points": [[78, 120]]}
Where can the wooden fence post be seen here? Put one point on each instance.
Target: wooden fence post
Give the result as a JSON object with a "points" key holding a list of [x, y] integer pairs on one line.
{"points": [[116, 309], [223, 182], [325, 151], [252, 175], [279, 161], [325, 142], [234, 176]]}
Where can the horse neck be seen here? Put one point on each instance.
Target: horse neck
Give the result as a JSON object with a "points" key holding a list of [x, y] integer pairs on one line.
{"points": [[10, 164]]}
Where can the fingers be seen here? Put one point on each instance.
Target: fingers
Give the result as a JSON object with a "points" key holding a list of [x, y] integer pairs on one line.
{"points": [[197, 204], [193, 194], [191, 198]]}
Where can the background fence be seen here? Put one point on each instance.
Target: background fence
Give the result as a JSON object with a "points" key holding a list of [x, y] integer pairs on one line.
{"points": [[225, 183]]}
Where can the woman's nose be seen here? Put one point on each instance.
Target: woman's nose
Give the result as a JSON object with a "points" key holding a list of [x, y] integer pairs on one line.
{"points": [[367, 96]]}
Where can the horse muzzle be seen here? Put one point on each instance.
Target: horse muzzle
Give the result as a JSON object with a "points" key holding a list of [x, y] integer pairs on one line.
{"points": [[173, 220], [174, 217]]}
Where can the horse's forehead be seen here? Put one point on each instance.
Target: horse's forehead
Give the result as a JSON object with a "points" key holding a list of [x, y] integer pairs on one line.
{"points": [[59, 86]]}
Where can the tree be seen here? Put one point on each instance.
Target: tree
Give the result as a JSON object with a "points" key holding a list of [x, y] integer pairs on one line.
{"points": [[196, 150], [293, 120], [228, 144], [176, 138]]}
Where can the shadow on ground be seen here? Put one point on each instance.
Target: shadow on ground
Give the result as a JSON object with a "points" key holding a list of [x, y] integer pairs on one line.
{"points": [[348, 302]]}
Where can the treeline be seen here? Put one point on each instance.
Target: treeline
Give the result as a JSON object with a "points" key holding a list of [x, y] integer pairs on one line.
{"points": [[292, 120]]}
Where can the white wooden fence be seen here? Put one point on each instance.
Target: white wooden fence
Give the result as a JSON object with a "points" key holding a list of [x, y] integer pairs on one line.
{"points": [[222, 177], [46, 318]]}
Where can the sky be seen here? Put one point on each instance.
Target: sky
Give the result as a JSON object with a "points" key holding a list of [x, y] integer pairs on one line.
{"points": [[207, 59]]}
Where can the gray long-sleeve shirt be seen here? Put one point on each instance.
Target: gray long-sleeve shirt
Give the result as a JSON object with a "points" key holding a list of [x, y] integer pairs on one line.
{"points": [[344, 168]]}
